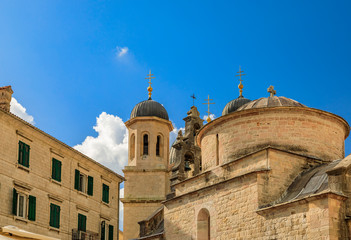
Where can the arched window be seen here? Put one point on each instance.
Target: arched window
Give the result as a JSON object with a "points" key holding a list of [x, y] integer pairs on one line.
{"points": [[158, 146], [132, 146], [146, 145], [203, 225]]}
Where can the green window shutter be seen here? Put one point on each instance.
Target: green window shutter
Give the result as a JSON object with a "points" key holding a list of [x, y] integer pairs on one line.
{"points": [[57, 216], [103, 230], [14, 202], [110, 232], [76, 179], [56, 169], [82, 222], [59, 165], [27, 155], [20, 152], [52, 213], [90, 185], [32, 208], [53, 172], [105, 193]]}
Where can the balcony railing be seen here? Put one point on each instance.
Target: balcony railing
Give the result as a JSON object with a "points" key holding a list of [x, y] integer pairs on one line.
{"points": [[81, 235]]}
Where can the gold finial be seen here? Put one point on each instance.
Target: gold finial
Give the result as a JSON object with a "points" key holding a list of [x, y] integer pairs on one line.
{"points": [[150, 76], [208, 108], [240, 86], [271, 91]]}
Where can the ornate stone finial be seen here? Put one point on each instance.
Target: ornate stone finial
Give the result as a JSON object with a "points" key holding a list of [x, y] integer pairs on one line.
{"points": [[271, 91], [208, 108], [193, 97], [150, 76], [240, 86], [5, 98]]}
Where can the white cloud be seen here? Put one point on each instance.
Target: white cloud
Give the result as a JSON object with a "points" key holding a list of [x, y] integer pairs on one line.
{"points": [[212, 116], [110, 147], [121, 51], [20, 111], [173, 135], [121, 209]]}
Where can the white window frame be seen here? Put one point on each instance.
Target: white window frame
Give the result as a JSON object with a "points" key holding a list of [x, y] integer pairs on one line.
{"points": [[25, 205]]}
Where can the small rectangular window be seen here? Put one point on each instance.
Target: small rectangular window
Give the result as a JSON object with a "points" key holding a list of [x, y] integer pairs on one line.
{"points": [[82, 222], [83, 183], [55, 215], [23, 205], [23, 154], [105, 193], [56, 170]]}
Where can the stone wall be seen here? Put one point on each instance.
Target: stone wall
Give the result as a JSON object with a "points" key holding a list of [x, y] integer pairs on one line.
{"points": [[306, 131], [36, 180], [233, 215]]}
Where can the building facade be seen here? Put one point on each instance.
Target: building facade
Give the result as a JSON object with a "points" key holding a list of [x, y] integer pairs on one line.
{"points": [[270, 168], [51, 189]]}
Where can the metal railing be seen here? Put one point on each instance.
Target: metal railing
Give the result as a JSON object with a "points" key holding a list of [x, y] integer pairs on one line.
{"points": [[81, 235]]}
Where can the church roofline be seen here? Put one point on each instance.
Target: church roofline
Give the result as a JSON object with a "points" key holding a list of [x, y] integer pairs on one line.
{"points": [[249, 154], [149, 118], [308, 198], [256, 111], [61, 143]]}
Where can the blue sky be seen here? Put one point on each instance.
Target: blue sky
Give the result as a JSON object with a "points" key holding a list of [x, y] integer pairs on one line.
{"points": [[64, 60]]}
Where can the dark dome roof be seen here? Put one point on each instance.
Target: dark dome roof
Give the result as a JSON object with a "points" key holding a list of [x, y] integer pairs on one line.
{"points": [[149, 108], [273, 101], [233, 105]]}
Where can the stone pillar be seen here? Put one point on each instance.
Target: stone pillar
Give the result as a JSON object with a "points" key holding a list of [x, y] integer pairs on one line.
{"points": [[5, 97]]}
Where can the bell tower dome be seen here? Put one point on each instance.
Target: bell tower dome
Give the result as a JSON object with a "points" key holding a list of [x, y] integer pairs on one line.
{"points": [[147, 175]]}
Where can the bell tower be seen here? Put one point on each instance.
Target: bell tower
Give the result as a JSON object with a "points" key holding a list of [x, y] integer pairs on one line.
{"points": [[147, 175]]}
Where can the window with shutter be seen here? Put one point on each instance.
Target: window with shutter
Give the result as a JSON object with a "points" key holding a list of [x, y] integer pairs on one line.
{"points": [[110, 232], [82, 222], [90, 185], [55, 215], [23, 154], [14, 202], [105, 193], [31, 208], [103, 230], [56, 170]]}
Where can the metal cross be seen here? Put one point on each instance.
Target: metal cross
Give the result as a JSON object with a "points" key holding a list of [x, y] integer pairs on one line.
{"points": [[241, 86], [271, 91], [150, 76], [193, 97], [208, 108]]}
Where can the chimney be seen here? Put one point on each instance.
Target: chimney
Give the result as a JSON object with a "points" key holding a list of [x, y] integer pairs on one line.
{"points": [[5, 97]]}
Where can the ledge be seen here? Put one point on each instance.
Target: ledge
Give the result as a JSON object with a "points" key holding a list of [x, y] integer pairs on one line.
{"points": [[82, 193], [106, 204], [305, 199], [20, 166], [54, 229], [23, 185], [55, 181], [105, 217], [142, 200], [217, 183], [58, 153], [16, 218], [23, 135], [56, 198], [80, 207]]}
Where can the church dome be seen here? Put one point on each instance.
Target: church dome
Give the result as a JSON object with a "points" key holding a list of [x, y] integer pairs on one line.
{"points": [[272, 101], [233, 105], [149, 108]]}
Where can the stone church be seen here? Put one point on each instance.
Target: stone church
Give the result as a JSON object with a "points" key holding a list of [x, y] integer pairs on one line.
{"points": [[270, 168]]}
